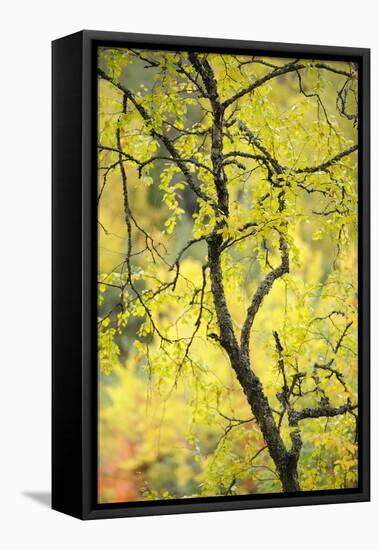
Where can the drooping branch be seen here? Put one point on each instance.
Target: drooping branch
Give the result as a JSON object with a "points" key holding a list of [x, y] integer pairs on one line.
{"points": [[160, 136], [128, 221]]}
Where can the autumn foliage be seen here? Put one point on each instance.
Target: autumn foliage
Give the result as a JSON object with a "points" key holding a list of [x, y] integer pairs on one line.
{"points": [[227, 317]]}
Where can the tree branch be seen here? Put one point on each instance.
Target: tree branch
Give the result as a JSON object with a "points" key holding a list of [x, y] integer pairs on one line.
{"points": [[262, 291], [321, 411], [164, 139]]}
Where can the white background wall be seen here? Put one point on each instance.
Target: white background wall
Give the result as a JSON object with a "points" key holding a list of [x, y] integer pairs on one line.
{"points": [[26, 31]]}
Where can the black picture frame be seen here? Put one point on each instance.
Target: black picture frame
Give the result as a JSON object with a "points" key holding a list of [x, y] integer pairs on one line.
{"points": [[74, 359]]}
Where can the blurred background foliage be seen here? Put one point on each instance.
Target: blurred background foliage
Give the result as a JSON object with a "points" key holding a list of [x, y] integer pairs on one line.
{"points": [[168, 436]]}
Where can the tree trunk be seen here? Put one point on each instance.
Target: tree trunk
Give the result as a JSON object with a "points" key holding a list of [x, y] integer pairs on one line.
{"points": [[289, 476], [285, 461]]}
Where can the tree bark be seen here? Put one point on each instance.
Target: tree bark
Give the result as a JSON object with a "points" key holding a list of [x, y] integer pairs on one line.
{"points": [[285, 461]]}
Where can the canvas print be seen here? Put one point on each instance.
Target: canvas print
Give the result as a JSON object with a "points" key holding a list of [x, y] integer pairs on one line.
{"points": [[227, 221]]}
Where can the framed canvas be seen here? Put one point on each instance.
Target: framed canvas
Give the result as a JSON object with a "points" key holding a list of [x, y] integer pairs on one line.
{"points": [[210, 275]]}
